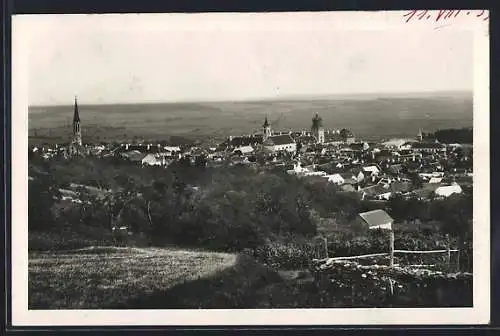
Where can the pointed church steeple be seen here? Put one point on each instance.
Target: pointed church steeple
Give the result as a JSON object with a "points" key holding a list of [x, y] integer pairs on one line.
{"points": [[76, 115], [266, 132], [76, 140], [266, 123]]}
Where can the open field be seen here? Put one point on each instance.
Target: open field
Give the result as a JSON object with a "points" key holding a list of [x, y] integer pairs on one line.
{"points": [[152, 278], [93, 278], [368, 117]]}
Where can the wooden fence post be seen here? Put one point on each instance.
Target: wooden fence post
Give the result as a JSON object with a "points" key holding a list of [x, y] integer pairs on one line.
{"points": [[448, 251], [318, 249], [391, 248], [326, 246]]}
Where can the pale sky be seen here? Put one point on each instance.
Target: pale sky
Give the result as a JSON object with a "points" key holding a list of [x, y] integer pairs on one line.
{"points": [[135, 58]]}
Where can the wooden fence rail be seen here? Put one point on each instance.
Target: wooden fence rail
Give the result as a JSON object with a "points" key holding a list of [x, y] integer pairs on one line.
{"points": [[385, 254], [392, 251], [326, 263], [352, 257], [424, 252]]}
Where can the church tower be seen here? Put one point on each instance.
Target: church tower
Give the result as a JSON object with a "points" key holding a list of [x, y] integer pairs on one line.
{"points": [[76, 141], [420, 135], [317, 129], [266, 130]]}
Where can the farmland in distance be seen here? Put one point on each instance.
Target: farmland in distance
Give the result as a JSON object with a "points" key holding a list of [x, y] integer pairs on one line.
{"points": [[368, 117]]}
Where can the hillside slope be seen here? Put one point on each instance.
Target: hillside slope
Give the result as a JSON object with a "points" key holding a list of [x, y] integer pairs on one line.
{"points": [[98, 277]]}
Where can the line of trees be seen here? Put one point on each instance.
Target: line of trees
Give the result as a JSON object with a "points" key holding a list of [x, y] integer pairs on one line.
{"points": [[221, 209], [227, 208], [462, 135]]}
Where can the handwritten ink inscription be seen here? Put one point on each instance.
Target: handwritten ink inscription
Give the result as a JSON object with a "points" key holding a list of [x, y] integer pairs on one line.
{"points": [[443, 15]]}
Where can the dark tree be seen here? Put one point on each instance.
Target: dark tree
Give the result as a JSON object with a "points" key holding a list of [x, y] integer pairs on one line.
{"points": [[43, 193], [200, 161]]}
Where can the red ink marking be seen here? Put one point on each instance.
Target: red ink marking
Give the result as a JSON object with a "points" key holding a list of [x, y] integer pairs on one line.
{"points": [[440, 14], [481, 14], [422, 15], [410, 15], [453, 13]]}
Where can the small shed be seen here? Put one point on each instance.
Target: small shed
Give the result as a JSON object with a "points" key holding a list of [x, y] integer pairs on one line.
{"points": [[375, 219], [446, 191]]}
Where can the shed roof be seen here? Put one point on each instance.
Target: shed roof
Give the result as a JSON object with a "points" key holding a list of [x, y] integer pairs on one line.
{"points": [[376, 217]]}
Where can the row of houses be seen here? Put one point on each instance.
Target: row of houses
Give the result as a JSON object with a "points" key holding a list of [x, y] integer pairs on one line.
{"points": [[375, 181], [375, 171], [149, 159]]}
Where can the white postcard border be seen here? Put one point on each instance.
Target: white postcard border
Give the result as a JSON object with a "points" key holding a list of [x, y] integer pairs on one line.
{"points": [[479, 314]]}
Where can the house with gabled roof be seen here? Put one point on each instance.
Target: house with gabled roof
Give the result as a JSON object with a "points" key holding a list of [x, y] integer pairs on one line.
{"points": [[428, 147], [153, 160], [245, 140], [371, 170], [435, 180], [243, 149], [375, 192], [335, 178], [342, 178], [283, 142], [446, 191], [375, 219], [134, 156]]}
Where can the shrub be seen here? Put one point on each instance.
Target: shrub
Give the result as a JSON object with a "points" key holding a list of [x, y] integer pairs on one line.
{"points": [[289, 255]]}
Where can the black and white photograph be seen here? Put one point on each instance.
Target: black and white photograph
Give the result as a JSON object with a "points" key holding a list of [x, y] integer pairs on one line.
{"points": [[251, 168]]}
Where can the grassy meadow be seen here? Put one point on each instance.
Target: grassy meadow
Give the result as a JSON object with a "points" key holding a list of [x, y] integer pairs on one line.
{"points": [[153, 278], [92, 278]]}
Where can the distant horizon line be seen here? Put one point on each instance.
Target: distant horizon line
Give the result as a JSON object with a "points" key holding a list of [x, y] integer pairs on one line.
{"points": [[332, 96]]}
